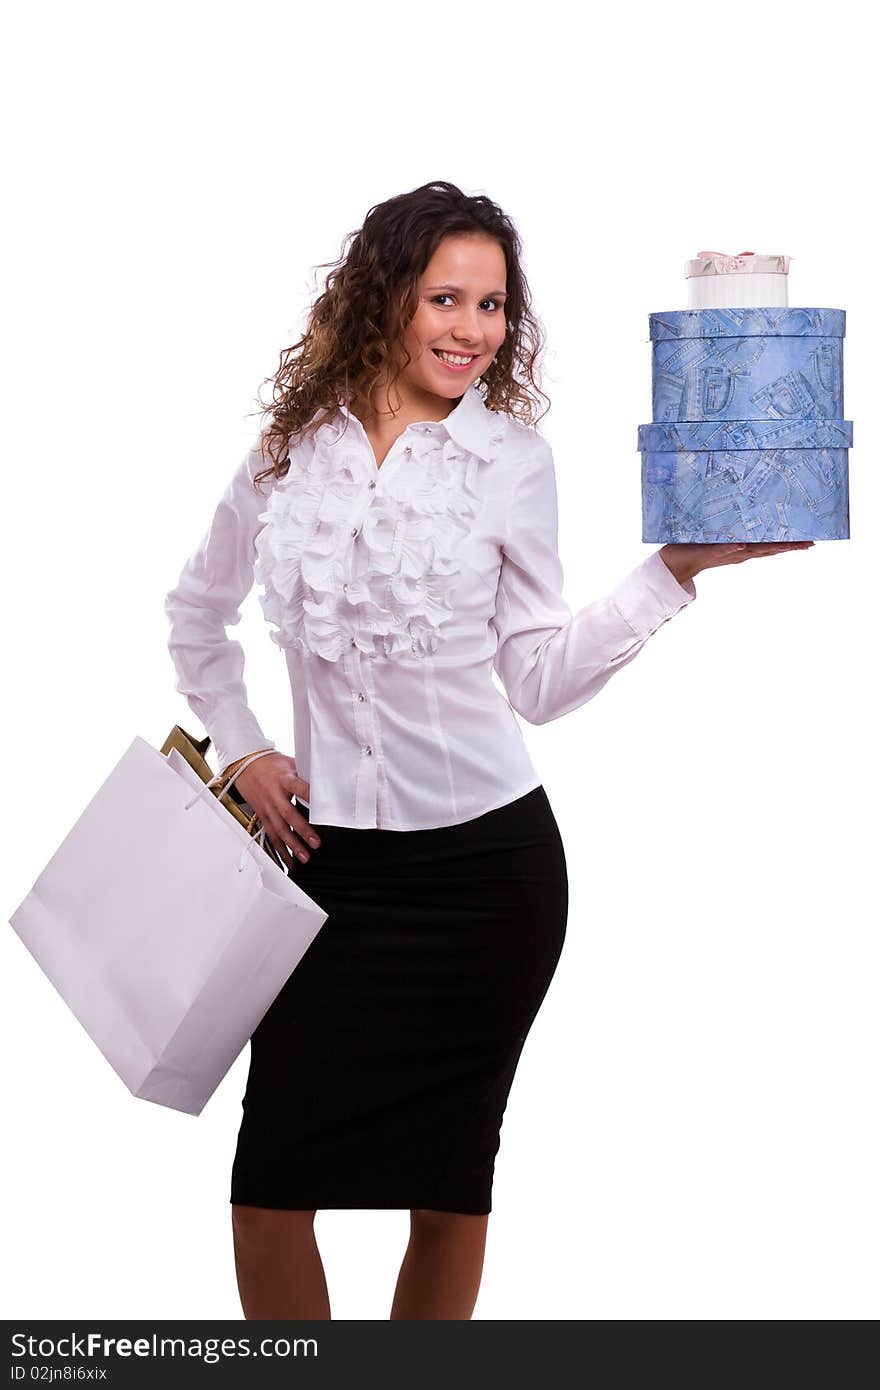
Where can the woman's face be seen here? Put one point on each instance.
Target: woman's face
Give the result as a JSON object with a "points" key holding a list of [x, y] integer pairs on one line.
{"points": [[460, 311]]}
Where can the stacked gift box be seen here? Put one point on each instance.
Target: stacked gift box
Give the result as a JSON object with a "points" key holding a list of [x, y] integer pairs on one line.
{"points": [[748, 440]]}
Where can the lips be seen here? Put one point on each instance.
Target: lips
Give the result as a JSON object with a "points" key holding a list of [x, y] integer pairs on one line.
{"points": [[455, 366]]}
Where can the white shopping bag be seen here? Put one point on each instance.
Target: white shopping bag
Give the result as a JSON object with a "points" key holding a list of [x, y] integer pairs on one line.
{"points": [[166, 928]]}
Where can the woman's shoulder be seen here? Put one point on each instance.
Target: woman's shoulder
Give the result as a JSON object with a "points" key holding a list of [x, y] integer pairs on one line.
{"points": [[522, 450], [516, 438]]}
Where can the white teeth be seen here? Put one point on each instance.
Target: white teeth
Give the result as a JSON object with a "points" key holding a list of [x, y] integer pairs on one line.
{"points": [[456, 360]]}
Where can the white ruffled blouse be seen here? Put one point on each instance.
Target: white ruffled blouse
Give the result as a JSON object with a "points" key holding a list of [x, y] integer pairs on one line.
{"points": [[394, 591]]}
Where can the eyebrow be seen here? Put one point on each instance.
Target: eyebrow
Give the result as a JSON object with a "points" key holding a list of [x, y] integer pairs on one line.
{"points": [[459, 290]]}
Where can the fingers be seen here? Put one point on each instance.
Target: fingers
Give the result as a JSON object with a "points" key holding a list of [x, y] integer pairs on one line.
{"points": [[289, 830], [294, 785], [735, 554], [776, 547], [283, 853], [285, 842], [295, 820]]}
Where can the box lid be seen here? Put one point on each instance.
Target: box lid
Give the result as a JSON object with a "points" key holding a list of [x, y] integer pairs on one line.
{"points": [[748, 323], [743, 263], [695, 436]]}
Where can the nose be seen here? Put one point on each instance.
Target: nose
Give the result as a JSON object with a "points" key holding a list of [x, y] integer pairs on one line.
{"points": [[466, 329]]}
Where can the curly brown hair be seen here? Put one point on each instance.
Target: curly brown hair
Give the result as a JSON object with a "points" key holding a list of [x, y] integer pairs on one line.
{"points": [[370, 297]]}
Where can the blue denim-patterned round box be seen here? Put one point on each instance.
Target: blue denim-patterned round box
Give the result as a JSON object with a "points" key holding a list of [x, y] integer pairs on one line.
{"points": [[748, 440]]}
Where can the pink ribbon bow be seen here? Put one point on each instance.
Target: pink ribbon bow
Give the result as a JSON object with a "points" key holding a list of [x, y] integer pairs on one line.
{"points": [[725, 262]]}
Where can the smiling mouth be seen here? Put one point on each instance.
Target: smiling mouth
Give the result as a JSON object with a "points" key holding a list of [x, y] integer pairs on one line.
{"points": [[469, 357]]}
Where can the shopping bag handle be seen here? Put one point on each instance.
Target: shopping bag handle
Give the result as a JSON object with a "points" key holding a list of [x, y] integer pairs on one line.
{"points": [[241, 767], [217, 783]]}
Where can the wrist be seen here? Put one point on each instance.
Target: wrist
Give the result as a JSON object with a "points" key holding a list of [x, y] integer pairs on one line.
{"points": [[230, 768], [682, 571]]}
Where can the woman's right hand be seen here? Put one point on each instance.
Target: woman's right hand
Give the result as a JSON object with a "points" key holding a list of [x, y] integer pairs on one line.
{"points": [[268, 785]]}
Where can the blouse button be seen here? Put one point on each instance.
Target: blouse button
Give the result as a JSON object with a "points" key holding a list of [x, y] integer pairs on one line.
{"points": [[368, 750], [361, 695], [373, 483], [354, 530], [345, 587], [353, 642]]}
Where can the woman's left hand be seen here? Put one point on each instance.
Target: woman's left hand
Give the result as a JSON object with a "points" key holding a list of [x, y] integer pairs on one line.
{"points": [[685, 561]]}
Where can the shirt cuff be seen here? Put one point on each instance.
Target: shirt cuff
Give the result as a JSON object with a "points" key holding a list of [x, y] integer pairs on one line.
{"points": [[235, 733], [651, 595]]}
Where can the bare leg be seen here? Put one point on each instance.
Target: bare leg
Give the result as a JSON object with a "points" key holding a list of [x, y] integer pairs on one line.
{"points": [[441, 1270], [277, 1263]]}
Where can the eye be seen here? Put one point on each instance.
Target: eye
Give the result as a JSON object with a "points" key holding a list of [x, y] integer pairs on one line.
{"points": [[497, 302]]}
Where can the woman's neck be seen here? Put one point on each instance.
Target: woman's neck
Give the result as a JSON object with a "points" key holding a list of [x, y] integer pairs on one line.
{"points": [[411, 409]]}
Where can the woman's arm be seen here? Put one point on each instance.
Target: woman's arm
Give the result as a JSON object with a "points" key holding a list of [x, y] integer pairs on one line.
{"points": [[550, 659], [205, 601]]}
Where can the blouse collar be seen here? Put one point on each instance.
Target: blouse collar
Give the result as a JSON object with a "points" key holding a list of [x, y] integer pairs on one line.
{"points": [[468, 424]]}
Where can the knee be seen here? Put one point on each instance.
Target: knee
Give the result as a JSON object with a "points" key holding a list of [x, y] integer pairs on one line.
{"points": [[261, 1226], [427, 1221]]}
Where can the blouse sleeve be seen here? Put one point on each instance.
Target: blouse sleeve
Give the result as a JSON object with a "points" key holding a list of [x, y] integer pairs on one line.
{"points": [[550, 660], [206, 600]]}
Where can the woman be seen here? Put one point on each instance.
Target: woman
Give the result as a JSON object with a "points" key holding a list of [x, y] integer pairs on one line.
{"points": [[406, 548]]}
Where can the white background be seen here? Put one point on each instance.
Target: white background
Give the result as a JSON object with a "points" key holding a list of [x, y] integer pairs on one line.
{"points": [[693, 1130]]}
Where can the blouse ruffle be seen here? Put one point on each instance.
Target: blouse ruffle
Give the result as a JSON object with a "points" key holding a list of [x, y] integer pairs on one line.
{"points": [[321, 593]]}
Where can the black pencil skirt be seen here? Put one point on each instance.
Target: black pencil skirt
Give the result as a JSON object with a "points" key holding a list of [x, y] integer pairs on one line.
{"points": [[380, 1074]]}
